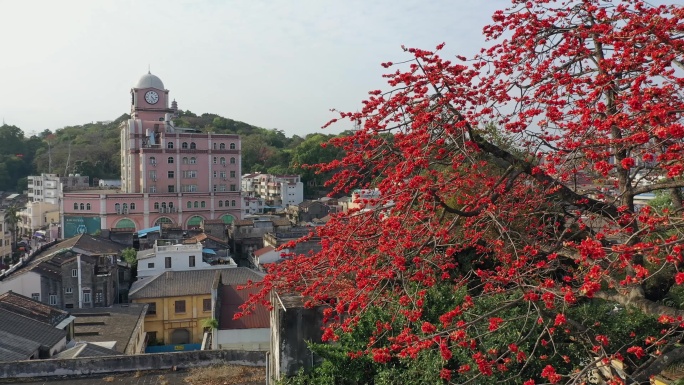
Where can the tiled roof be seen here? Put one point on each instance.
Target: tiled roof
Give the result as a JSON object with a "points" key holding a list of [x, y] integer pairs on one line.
{"points": [[91, 245], [120, 323], [231, 299], [33, 309], [243, 222], [20, 335], [214, 221], [281, 222], [190, 282], [86, 349], [262, 251]]}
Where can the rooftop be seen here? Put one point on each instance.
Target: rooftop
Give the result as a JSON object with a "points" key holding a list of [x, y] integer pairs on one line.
{"points": [[86, 349], [21, 336], [33, 309], [117, 323], [231, 299], [190, 282]]}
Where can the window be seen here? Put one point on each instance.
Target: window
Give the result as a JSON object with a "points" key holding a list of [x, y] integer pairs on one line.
{"points": [[190, 174], [35, 296], [223, 174], [151, 308], [222, 187], [206, 304], [232, 160], [193, 160], [233, 187], [156, 205], [170, 160], [227, 204], [172, 188], [75, 206], [215, 146], [99, 297], [215, 187], [153, 189], [153, 175], [153, 160], [87, 297], [117, 207], [169, 145], [232, 174], [87, 206], [185, 160], [167, 262], [220, 203], [191, 261], [215, 174], [232, 203], [150, 265], [189, 205], [203, 204], [170, 174], [74, 272], [184, 145], [232, 146], [215, 160], [195, 204], [170, 205], [180, 306], [193, 146], [125, 207], [163, 205], [132, 206], [68, 290], [223, 160], [223, 146], [53, 299]]}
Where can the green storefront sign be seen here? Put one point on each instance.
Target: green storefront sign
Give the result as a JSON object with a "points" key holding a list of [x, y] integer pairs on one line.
{"points": [[81, 225]]}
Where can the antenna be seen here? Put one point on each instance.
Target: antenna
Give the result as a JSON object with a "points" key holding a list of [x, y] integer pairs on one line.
{"points": [[66, 169], [148, 68]]}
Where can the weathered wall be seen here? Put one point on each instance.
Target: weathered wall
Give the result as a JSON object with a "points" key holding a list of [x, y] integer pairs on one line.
{"points": [[114, 364]]}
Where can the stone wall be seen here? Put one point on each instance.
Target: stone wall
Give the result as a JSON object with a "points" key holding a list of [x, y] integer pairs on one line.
{"points": [[116, 364]]}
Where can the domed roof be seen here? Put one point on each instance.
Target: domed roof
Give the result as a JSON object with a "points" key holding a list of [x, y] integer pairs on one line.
{"points": [[150, 81]]}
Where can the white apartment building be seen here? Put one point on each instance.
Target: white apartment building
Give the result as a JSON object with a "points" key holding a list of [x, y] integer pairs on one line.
{"points": [[169, 255], [278, 191], [48, 187]]}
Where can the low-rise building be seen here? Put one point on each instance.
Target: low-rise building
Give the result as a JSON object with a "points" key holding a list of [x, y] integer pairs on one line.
{"points": [[173, 255], [48, 187], [179, 300], [278, 191]]}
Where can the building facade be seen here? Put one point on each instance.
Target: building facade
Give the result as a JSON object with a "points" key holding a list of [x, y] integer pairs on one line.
{"points": [[168, 174], [278, 191], [48, 187]]}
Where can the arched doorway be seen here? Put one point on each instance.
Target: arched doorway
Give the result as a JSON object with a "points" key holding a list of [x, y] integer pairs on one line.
{"points": [[163, 221], [125, 224], [180, 336], [227, 219], [195, 221]]}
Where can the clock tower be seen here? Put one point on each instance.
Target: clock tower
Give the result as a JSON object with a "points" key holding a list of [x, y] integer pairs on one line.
{"points": [[149, 99]]}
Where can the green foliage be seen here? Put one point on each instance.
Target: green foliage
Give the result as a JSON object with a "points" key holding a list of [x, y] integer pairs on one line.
{"points": [[130, 256], [211, 323]]}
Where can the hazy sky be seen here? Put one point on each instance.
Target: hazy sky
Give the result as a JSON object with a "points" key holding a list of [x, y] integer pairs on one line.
{"points": [[273, 64]]}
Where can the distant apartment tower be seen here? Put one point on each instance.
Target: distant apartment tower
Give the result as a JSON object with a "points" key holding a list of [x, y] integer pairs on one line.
{"points": [[169, 174], [48, 187], [278, 191]]}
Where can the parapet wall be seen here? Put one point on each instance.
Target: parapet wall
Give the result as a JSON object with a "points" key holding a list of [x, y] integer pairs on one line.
{"points": [[117, 364]]}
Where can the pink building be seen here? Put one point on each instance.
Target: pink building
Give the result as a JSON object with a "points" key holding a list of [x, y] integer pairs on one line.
{"points": [[168, 174]]}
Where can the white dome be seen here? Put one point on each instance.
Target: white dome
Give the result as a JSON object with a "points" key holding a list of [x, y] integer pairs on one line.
{"points": [[150, 81]]}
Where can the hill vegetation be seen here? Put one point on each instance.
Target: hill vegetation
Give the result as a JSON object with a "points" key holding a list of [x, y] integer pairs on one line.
{"points": [[93, 149]]}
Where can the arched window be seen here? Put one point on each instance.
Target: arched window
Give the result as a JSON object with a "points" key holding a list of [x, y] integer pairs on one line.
{"points": [[223, 160], [232, 160], [163, 205], [185, 160], [153, 160], [220, 203], [117, 207], [125, 206], [170, 160], [170, 204], [189, 204], [156, 205], [223, 146], [184, 145], [232, 203], [196, 204], [132, 206], [82, 206], [214, 146], [75, 206], [193, 160], [203, 204], [227, 203], [87, 206], [169, 145], [193, 146], [162, 221], [232, 146]]}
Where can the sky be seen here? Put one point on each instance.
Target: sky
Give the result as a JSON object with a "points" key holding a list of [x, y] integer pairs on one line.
{"points": [[273, 64]]}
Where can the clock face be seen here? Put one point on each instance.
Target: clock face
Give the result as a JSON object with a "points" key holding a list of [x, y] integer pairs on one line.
{"points": [[151, 97]]}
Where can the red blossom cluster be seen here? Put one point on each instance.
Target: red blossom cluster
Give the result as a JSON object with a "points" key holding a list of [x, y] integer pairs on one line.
{"points": [[517, 174]]}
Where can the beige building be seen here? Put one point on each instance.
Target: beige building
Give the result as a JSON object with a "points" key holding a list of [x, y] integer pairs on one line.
{"points": [[38, 215], [5, 238]]}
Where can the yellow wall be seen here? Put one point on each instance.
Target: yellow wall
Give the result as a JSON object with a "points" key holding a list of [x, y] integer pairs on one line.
{"points": [[167, 320]]}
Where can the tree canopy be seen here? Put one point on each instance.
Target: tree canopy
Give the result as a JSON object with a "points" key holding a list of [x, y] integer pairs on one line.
{"points": [[511, 241]]}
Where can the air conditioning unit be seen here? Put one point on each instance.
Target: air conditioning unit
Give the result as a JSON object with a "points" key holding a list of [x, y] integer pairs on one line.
{"points": [[154, 179], [162, 209]]}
